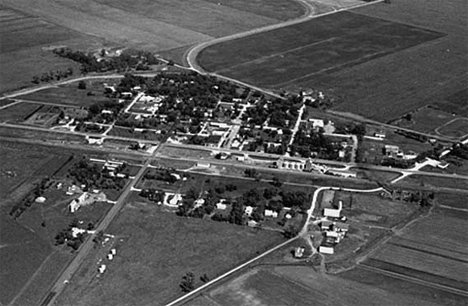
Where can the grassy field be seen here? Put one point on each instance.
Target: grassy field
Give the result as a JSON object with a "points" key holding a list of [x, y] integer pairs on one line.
{"points": [[455, 128], [129, 133], [261, 287], [25, 42], [19, 112], [432, 181], [70, 94], [303, 285], [155, 249]]}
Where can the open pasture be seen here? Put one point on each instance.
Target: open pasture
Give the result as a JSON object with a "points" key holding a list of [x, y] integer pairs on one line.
{"points": [[455, 128], [156, 250], [70, 94], [19, 112], [262, 287]]}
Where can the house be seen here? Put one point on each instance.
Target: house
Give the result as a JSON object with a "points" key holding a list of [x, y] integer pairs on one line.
{"points": [[113, 251], [299, 252], [176, 176], [221, 206], [380, 135], [391, 150], [248, 210], [102, 268], [78, 202], [326, 249], [341, 227], [252, 223], [110, 256], [198, 203], [326, 225], [317, 123], [203, 165], [331, 212], [271, 213], [127, 95], [40, 200]]}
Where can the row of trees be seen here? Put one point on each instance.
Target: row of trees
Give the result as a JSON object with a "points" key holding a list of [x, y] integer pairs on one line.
{"points": [[94, 176], [38, 190], [52, 75]]}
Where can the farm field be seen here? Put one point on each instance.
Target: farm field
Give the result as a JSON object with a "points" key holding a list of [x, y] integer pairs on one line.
{"points": [[146, 260], [163, 24], [25, 49], [19, 112], [456, 128], [434, 182], [302, 285], [428, 250], [397, 61]]}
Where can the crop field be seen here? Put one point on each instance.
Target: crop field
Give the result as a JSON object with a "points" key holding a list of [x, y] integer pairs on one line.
{"points": [[429, 249], [163, 24], [260, 287], [369, 54], [25, 39], [155, 250], [455, 103], [303, 285]]}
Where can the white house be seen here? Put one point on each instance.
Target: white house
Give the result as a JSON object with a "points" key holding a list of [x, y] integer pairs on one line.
{"points": [[271, 213], [221, 206], [324, 249], [102, 268], [332, 213], [248, 210], [76, 203]]}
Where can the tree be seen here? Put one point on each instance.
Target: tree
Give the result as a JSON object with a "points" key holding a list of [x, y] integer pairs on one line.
{"points": [[252, 173], [188, 282], [204, 278], [81, 85]]}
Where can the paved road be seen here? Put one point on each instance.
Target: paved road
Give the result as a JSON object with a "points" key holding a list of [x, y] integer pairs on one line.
{"points": [[88, 245]]}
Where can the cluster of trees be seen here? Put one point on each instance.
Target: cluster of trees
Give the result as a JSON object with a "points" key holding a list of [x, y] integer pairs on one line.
{"points": [[188, 281], [281, 113], [161, 175], [153, 194], [397, 163], [306, 143], [127, 60], [56, 75], [272, 198], [65, 235], [460, 150], [38, 190], [94, 176]]}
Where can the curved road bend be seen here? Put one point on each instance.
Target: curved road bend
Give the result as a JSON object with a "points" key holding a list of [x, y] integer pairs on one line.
{"points": [[193, 293], [310, 14]]}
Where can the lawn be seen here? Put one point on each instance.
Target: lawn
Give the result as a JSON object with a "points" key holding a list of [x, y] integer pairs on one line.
{"points": [[155, 250], [456, 128], [432, 181]]}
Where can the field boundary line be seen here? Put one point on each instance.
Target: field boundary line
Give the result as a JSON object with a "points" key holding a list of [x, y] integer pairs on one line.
{"points": [[278, 54], [414, 280]]}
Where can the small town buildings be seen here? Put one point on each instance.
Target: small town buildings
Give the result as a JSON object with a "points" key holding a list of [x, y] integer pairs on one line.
{"points": [[40, 200], [252, 223], [331, 213], [317, 123], [248, 210], [78, 202], [221, 206], [326, 225], [110, 256], [199, 203], [341, 227], [113, 251], [326, 249], [271, 213], [203, 165], [299, 252], [102, 269]]}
